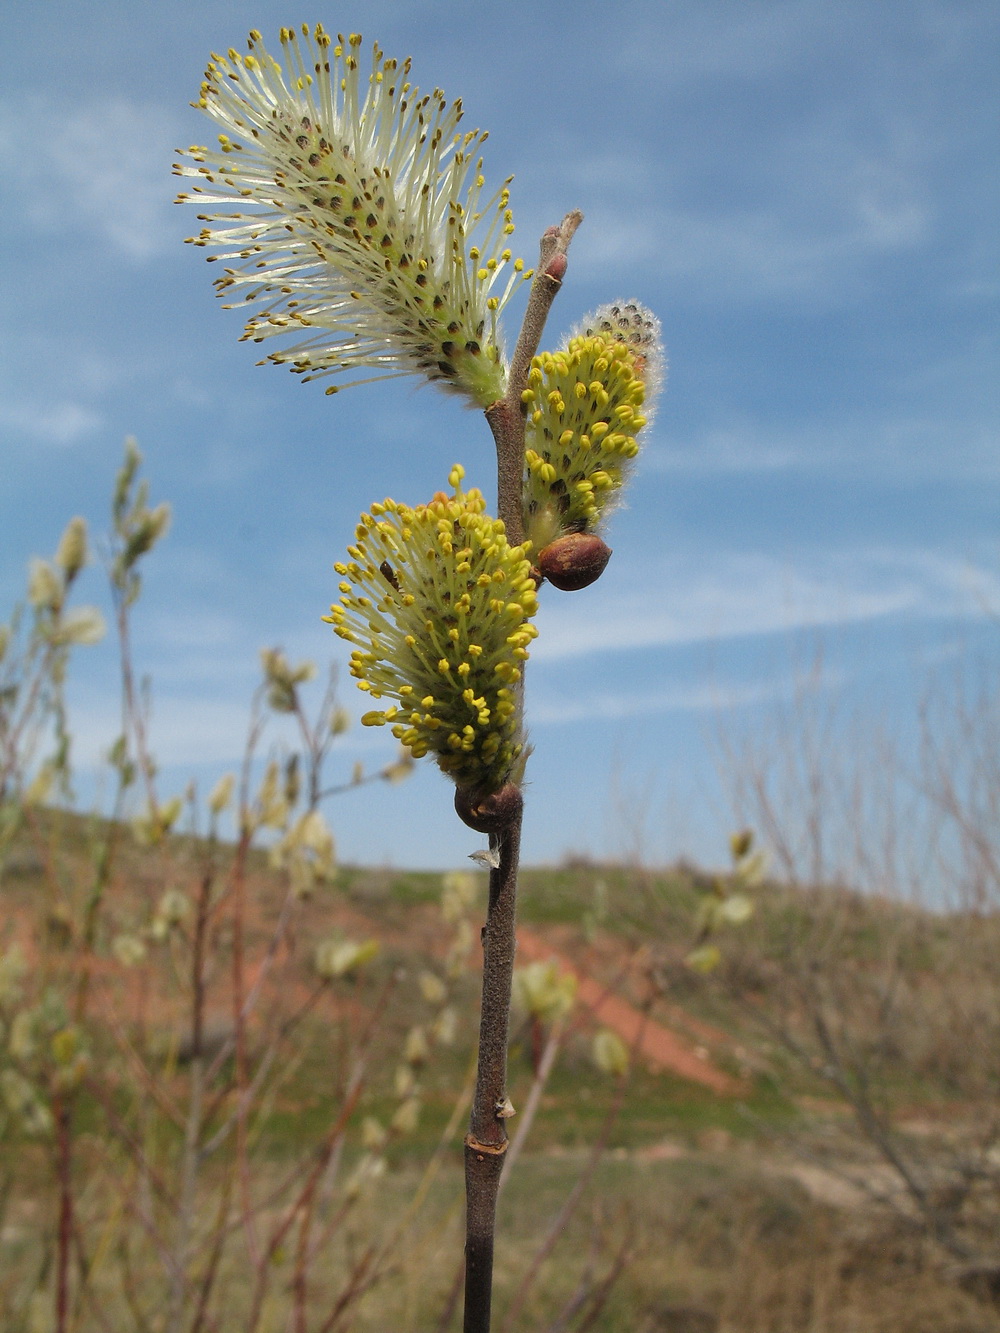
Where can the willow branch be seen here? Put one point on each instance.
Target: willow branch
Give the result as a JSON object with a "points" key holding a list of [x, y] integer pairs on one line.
{"points": [[506, 416], [486, 1142]]}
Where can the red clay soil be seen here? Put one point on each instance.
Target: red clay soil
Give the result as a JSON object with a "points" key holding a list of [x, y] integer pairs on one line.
{"points": [[119, 991], [659, 1047]]}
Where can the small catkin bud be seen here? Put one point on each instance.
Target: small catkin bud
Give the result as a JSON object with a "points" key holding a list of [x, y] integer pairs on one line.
{"points": [[585, 405], [72, 551], [45, 587], [491, 812], [574, 561]]}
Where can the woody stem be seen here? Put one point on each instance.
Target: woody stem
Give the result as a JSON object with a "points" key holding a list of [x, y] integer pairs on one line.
{"points": [[486, 1142]]}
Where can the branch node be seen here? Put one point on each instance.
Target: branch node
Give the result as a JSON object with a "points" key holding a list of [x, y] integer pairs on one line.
{"points": [[485, 1149]]}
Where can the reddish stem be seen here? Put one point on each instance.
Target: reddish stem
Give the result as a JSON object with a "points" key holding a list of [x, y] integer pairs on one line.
{"points": [[64, 1169], [486, 1142]]}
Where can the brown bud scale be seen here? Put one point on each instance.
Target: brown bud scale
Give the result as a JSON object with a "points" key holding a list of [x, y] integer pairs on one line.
{"points": [[491, 812], [574, 560]]}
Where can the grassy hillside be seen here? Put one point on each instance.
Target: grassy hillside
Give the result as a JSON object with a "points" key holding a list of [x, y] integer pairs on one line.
{"points": [[304, 1163]]}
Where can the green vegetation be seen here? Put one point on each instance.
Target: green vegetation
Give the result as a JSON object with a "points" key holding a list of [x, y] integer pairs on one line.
{"points": [[701, 1190]]}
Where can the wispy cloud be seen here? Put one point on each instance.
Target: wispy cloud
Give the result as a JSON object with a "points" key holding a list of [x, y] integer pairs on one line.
{"points": [[55, 423], [823, 225], [796, 191], [99, 166], [727, 40], [731, 596], [888, 445], [692, 697], [190, 730]]}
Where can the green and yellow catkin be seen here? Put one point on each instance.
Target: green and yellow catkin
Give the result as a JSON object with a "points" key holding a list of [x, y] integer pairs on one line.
{"points": [[352, 215], [438, 606], [584, 409]]}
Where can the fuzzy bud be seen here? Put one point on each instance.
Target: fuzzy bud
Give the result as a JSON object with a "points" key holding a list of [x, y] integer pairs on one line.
{"points": [[543, 991], [610, 1054], [45, 587], [584, 406], [71, 554], [80, 625], [221, 794]]}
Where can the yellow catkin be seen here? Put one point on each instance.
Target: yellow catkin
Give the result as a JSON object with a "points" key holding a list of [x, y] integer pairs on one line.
{"points": [[438, 606]]}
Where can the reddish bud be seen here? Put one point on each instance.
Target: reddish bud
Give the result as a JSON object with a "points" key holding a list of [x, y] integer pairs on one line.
{"points": [[574, 561], [490, 813], [557, 266]]}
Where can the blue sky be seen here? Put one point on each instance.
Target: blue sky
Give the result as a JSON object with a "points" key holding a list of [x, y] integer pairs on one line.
{"points": [[805, 193]]}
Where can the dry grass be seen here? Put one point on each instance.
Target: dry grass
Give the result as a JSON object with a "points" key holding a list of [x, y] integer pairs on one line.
{"points": [[710, 1228]]}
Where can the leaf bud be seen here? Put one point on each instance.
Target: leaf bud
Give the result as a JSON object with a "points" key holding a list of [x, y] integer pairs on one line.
{"points": [[491, 812], [574, 561]]}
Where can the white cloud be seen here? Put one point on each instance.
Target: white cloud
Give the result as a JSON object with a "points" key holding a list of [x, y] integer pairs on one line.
{"points": [[100, 166], [789, 250], [685, 601], [188, 731], [54, 423], [733, 449], [917, 447], [841, 177], [183, 731], [695, 697]]}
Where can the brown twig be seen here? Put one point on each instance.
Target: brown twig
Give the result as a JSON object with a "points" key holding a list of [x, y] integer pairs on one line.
{"points": [[219, 1237], [360, 1280], [506, 416], [451, 1301], [64, 1170], [86, 1294], [238, 882], [486, 1142], [599, 1296], [191, 1158], [526, 1117], [302, 1207], [567, 1210], [583, 1180]]}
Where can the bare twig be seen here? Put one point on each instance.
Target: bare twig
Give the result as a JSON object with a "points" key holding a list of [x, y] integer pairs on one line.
{"points": [[486, 1142], [64, 1170], [506, 417], [604, 1288], [569, 1207], [526, 1119]]}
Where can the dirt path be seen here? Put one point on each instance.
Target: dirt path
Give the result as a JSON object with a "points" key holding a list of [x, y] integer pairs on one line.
{"points": [[659, 1046]]}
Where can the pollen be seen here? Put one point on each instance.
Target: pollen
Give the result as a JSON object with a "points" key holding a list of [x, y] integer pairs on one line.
{"points": [[355, 229], [451, 631], [583, 415]]}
